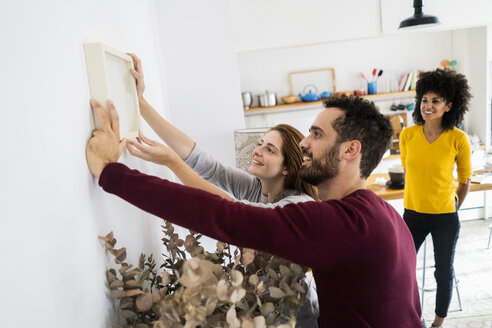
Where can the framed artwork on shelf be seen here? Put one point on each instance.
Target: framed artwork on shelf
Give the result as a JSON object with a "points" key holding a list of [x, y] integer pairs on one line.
{"points": [[315, 80], [109, 76]]}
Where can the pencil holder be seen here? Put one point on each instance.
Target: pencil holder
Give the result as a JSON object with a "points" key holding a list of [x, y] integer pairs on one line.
{"points": [[372, 88]]}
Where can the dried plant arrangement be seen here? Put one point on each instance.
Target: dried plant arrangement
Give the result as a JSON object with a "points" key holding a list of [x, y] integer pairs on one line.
{"points": [[196, 288]]}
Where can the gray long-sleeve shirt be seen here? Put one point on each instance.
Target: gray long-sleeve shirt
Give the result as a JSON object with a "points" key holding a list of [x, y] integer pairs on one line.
{"points": [[244, 187]]}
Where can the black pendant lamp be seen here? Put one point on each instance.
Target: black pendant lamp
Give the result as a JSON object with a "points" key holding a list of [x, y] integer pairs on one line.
{"points": [[419, 19]]}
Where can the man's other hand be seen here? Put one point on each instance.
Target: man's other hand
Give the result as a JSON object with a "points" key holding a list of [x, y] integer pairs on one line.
{"points": [[104, 146]]}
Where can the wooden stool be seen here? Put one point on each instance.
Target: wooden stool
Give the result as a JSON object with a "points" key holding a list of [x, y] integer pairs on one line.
{"points": [[455, 281], [490, 235]]}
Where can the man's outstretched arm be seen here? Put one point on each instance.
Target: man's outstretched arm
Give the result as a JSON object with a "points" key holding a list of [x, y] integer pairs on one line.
{"points": [[287, 232]]}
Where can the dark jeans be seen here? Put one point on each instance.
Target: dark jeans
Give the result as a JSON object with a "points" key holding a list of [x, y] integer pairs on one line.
{"points": [[444, 229]]}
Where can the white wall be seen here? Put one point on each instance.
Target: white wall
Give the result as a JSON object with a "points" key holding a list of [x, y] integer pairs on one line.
{"points": [[489, 59], [261, 24], [470, 51], [51, 210], [270, 24], [268, 69], [200, 68]]}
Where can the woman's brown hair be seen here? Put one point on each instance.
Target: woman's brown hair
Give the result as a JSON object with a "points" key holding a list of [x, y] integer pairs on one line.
{"points": [[291, 151]]}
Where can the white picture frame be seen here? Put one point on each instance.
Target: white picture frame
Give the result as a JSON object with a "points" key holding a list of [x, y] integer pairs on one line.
{"points": [[109, 76]]}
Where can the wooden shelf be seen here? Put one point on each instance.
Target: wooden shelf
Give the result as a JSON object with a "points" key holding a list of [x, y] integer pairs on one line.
{"points": [[319, 104], [284, 108], [390, 95]]}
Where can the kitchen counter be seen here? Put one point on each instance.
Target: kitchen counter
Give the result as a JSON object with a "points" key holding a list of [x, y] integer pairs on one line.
{"points": [[390, 194]]}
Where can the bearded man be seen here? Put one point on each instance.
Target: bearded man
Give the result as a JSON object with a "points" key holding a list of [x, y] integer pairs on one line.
{"points": [[359, 248]]}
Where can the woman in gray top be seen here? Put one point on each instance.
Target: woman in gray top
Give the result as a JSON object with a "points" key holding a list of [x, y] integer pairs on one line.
{"points": [[273, 178]]}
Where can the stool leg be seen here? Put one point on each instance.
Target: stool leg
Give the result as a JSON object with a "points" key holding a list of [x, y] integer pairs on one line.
{"points": [[456, 285], [423, 276], [490, 235]]}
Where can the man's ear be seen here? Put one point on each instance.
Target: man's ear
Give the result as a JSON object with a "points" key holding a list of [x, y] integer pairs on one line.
{"points": [[351, 149]]}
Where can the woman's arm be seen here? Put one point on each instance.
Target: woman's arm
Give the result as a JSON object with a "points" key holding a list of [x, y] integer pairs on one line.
{"points": [[172, 136], [237, 182], [191, 178], [153, 151], [464, 168], [462, 191]]}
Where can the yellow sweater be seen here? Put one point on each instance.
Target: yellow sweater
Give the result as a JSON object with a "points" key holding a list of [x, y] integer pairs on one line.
{"points": [[429, 186]]}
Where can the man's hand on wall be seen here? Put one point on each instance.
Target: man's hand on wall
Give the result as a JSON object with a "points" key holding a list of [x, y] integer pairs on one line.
{"points": [[105, 145]]}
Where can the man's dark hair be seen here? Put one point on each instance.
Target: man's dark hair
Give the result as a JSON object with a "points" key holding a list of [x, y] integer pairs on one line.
{"points": [[363, 122], [452, 86]]}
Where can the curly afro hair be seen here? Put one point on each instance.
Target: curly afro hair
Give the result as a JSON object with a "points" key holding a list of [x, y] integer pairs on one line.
{"points": [[363, 122], [452, 86]]}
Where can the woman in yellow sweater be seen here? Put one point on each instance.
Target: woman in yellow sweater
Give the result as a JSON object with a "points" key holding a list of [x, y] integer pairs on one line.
{"points": [[429, 151]]}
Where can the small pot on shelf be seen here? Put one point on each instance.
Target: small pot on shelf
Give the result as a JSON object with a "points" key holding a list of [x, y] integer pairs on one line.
{"points": [[268, 99], [247, 100], [310, 95]]}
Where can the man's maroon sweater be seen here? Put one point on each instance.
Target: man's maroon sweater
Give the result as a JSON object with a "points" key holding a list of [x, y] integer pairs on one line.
{"points": [[359, 248]]}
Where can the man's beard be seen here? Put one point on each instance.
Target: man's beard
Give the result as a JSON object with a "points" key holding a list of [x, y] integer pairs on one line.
{"points": [[324, 168]]}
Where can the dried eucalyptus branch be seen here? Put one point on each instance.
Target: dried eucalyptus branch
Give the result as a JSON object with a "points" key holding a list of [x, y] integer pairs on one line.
{"points": [[195, 288]]}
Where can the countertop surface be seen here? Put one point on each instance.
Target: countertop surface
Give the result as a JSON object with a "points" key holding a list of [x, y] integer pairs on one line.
{"points": [[389, 194]]}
